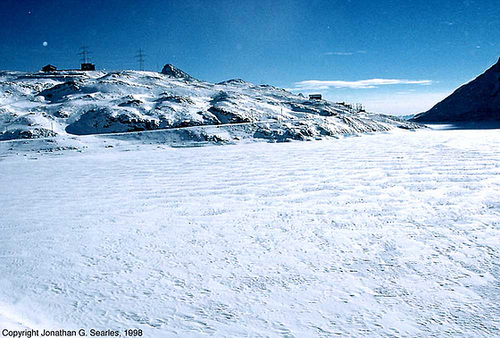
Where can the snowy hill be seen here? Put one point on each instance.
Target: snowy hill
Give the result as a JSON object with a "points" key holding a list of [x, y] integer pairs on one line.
{"points": [[478, 100], [36, 105]]}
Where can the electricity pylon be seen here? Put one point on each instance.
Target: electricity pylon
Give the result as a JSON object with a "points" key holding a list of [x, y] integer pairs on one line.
{"points": [[140, 58], [85, 54]]}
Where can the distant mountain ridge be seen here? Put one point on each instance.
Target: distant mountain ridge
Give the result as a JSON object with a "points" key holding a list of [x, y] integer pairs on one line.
{"points": [[478, 100]]}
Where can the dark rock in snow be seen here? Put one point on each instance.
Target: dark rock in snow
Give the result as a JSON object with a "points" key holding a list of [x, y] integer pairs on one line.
{"points": [[26, 134], [105, 120], [60, 91], [173, 71], [235, 82]]}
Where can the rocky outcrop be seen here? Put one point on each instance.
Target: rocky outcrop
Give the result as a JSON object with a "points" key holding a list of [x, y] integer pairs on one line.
{"points": [[173, 71]]}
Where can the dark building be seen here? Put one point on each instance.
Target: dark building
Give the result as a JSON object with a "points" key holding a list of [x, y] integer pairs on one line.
{"points": [[315, 97], [88, 66], [49, 68]]}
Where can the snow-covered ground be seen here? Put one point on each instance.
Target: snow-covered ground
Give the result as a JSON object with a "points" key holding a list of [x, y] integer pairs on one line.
{"points": [[388, 234], [65, 103]]}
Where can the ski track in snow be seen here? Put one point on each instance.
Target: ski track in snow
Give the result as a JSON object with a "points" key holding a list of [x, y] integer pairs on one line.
{"points": [[389, 234]]}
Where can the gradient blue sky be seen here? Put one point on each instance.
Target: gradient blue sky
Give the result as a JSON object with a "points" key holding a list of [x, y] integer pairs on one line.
{"points": [[332, 47]]}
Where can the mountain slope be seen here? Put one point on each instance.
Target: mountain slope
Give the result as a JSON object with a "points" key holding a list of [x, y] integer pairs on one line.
{"points": [[478, 100], [34, 105]]}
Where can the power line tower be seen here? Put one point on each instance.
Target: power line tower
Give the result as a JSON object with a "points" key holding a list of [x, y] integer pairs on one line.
{"points": [[84, 54], [140, 58]]}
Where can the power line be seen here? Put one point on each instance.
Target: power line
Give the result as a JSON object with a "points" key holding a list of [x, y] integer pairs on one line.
{"points": [[140, 58], [85, 54]]}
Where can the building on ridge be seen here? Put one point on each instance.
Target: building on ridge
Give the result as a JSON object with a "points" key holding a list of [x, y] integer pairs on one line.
{"points": [[88, 66], [315, 97], [49, 68]]}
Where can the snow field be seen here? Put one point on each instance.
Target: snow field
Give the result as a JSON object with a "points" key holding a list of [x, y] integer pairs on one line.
{"points": [[388, 234]]}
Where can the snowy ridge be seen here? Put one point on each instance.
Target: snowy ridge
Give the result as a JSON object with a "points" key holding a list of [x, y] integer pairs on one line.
{"points": [[37, 105]]}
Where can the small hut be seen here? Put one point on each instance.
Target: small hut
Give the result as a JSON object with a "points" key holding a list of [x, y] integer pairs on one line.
{"points": [[88, 66], [315, 97], [49, 68]]}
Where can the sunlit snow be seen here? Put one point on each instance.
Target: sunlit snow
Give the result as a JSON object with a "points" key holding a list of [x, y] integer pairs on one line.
{"points": [[387, 234]]}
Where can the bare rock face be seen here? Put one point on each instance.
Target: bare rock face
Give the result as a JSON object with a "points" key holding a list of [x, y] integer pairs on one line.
{"points": [[478, 100], [173, 71]]}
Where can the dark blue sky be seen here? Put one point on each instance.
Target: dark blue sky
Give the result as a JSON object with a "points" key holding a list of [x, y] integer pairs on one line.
{"points": [[434, 45]]}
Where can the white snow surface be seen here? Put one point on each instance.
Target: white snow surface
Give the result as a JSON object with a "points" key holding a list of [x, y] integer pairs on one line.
{"points": [[393, 234]]}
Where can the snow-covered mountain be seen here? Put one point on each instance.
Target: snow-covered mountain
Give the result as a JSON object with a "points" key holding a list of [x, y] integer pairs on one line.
{"points": [[478, 100], [35, 105]]}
